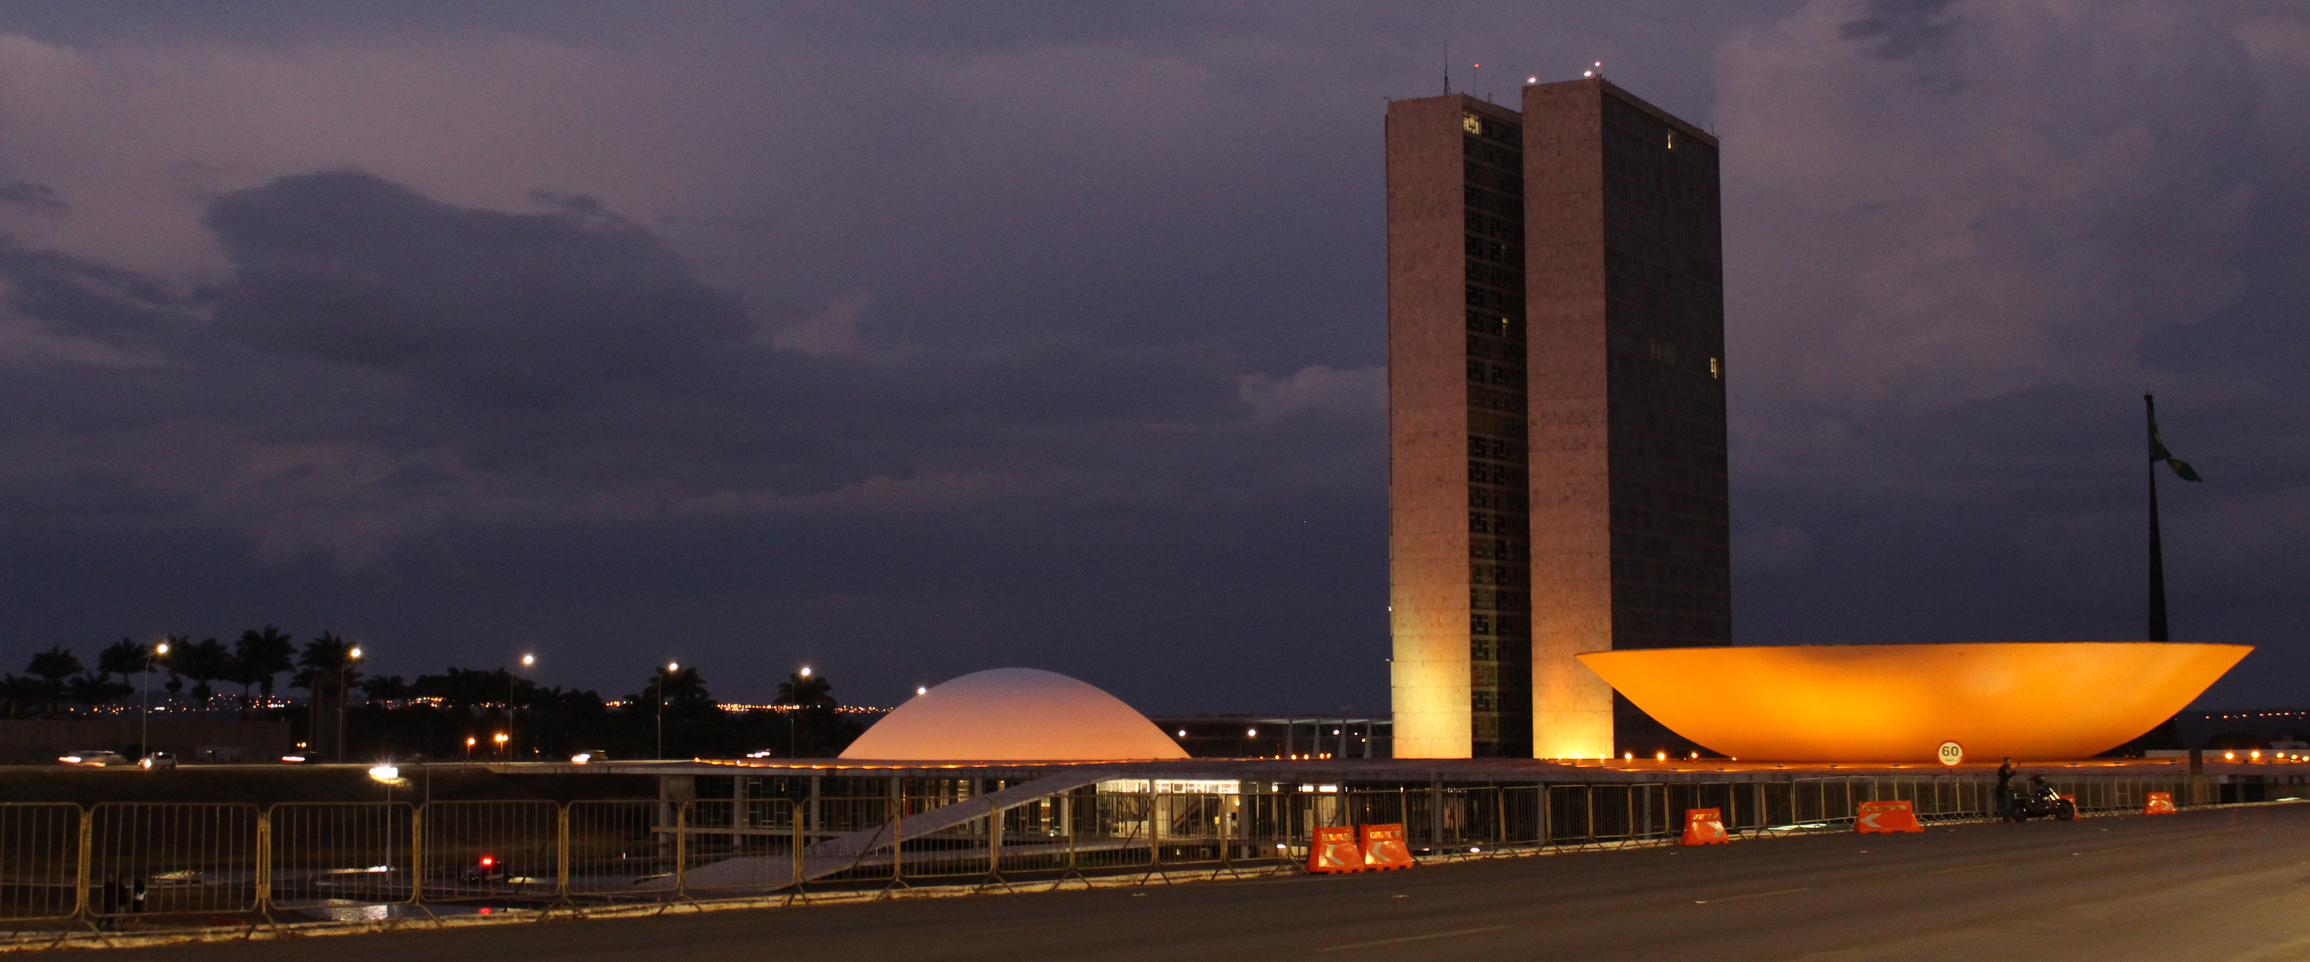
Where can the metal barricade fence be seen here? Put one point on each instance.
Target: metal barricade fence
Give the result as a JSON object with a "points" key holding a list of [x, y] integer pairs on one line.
{"points": [[114, 860], [830, 816], [736, 844], [615, 848], [167, 858], [489, 851], [1035, 838], [39, 860], [1113, 831], [342, 853]]}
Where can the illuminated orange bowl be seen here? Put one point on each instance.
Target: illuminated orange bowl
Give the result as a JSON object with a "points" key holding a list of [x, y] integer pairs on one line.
{"points": [[1898, 703]]}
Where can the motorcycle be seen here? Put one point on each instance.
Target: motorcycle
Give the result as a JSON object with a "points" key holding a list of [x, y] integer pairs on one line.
{"points": [[2036, 799]]}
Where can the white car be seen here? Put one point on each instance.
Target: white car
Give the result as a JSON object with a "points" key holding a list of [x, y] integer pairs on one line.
{"points": [[159, 760], [93, 758]]}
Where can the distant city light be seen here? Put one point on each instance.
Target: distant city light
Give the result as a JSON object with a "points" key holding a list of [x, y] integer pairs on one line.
{"points": [[1251, 733]]}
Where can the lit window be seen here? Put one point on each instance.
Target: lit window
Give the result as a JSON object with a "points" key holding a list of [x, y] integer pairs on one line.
{"points": [[1469, 123], [1716, 368]]}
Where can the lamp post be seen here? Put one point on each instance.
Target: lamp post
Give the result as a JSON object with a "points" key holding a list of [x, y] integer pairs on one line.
{"points": [[793, 750], [671, 668], [527, 660], [342, 665], [144, 713]]}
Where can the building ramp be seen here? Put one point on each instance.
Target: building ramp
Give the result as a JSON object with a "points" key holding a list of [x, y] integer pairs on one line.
{"points": [[844, 852]]}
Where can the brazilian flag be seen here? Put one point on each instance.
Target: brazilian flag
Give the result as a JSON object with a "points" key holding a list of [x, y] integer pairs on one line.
{"points": [[2159, 453]]}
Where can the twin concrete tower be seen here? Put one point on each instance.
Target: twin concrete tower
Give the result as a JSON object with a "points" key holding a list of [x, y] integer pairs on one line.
{"points": [[1556, 413]]}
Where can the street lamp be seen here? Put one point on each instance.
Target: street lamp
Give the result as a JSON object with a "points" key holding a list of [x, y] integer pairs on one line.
{"points": [[501, 738], [794, 750], [468, 746], [351, 656], [527, 660], [144, 714], [671, 668]]}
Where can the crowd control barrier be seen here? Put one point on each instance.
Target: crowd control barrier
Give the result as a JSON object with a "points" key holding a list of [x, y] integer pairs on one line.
{"points": [[107, 867]]}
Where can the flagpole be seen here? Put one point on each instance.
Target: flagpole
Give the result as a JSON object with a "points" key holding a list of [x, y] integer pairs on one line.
{"points": [[2157, 547]]}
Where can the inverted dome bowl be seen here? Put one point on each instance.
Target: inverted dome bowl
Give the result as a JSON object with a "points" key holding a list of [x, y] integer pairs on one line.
{"points": [[1898, 703]]}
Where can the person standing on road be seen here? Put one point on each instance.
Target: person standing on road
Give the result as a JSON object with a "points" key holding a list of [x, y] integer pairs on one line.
{"points": [[2005, 788]]}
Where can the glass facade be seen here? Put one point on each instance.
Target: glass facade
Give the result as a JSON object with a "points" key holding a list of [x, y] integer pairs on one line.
{"points": [[1499, 534], [1664, 310]]}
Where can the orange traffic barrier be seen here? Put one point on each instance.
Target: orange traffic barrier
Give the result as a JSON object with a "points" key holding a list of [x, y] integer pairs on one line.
{"points": [[1886, 817], [2159, 803], [1703, 826], [1384, 847], [1334, 850]]}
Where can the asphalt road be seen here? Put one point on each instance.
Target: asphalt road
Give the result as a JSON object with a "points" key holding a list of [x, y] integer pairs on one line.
{"points": [[2230, 884]]}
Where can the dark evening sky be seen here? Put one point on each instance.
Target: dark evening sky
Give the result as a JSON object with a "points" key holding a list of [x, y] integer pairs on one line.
{"points": [[909, 340]]}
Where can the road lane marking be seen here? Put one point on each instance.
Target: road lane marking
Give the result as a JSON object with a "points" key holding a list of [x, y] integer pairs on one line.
{"points": [[1753, 895], [1455, 933], [1964, 868], [1038, 928]]}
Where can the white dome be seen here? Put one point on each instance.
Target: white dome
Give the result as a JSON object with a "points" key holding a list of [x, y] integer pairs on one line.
{"points": [[1013, 715]]}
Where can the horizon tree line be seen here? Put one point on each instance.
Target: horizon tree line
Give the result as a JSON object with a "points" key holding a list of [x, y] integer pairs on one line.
{"points": [[435, 714]]}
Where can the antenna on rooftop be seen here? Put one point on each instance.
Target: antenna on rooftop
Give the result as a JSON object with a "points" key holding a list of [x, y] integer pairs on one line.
{"points": [[1447, 67]]}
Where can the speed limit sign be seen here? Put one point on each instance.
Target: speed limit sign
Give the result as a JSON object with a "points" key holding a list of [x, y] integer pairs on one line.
{"points": [[1950, 754]]}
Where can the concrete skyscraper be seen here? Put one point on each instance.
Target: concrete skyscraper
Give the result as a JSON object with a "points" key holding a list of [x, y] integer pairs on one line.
{"points": [[1556, 411]]}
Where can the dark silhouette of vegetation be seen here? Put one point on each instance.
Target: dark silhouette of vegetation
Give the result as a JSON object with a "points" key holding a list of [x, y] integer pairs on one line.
{"points": [[435, 715]]}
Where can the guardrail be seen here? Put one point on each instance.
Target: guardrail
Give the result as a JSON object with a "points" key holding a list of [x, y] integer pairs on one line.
{"points": [[64, 867]]}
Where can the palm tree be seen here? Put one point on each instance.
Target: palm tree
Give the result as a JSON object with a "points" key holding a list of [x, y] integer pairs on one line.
{"points": [[328, 669], [21, 694], [124, 658], [176, 645], [203, 662], [52, 667], [96, 690], [811, 716], [806, 691], [265, 653]]}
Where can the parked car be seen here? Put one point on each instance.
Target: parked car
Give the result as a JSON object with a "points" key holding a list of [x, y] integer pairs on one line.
{"points": [[93, 758], [159, 760]]}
